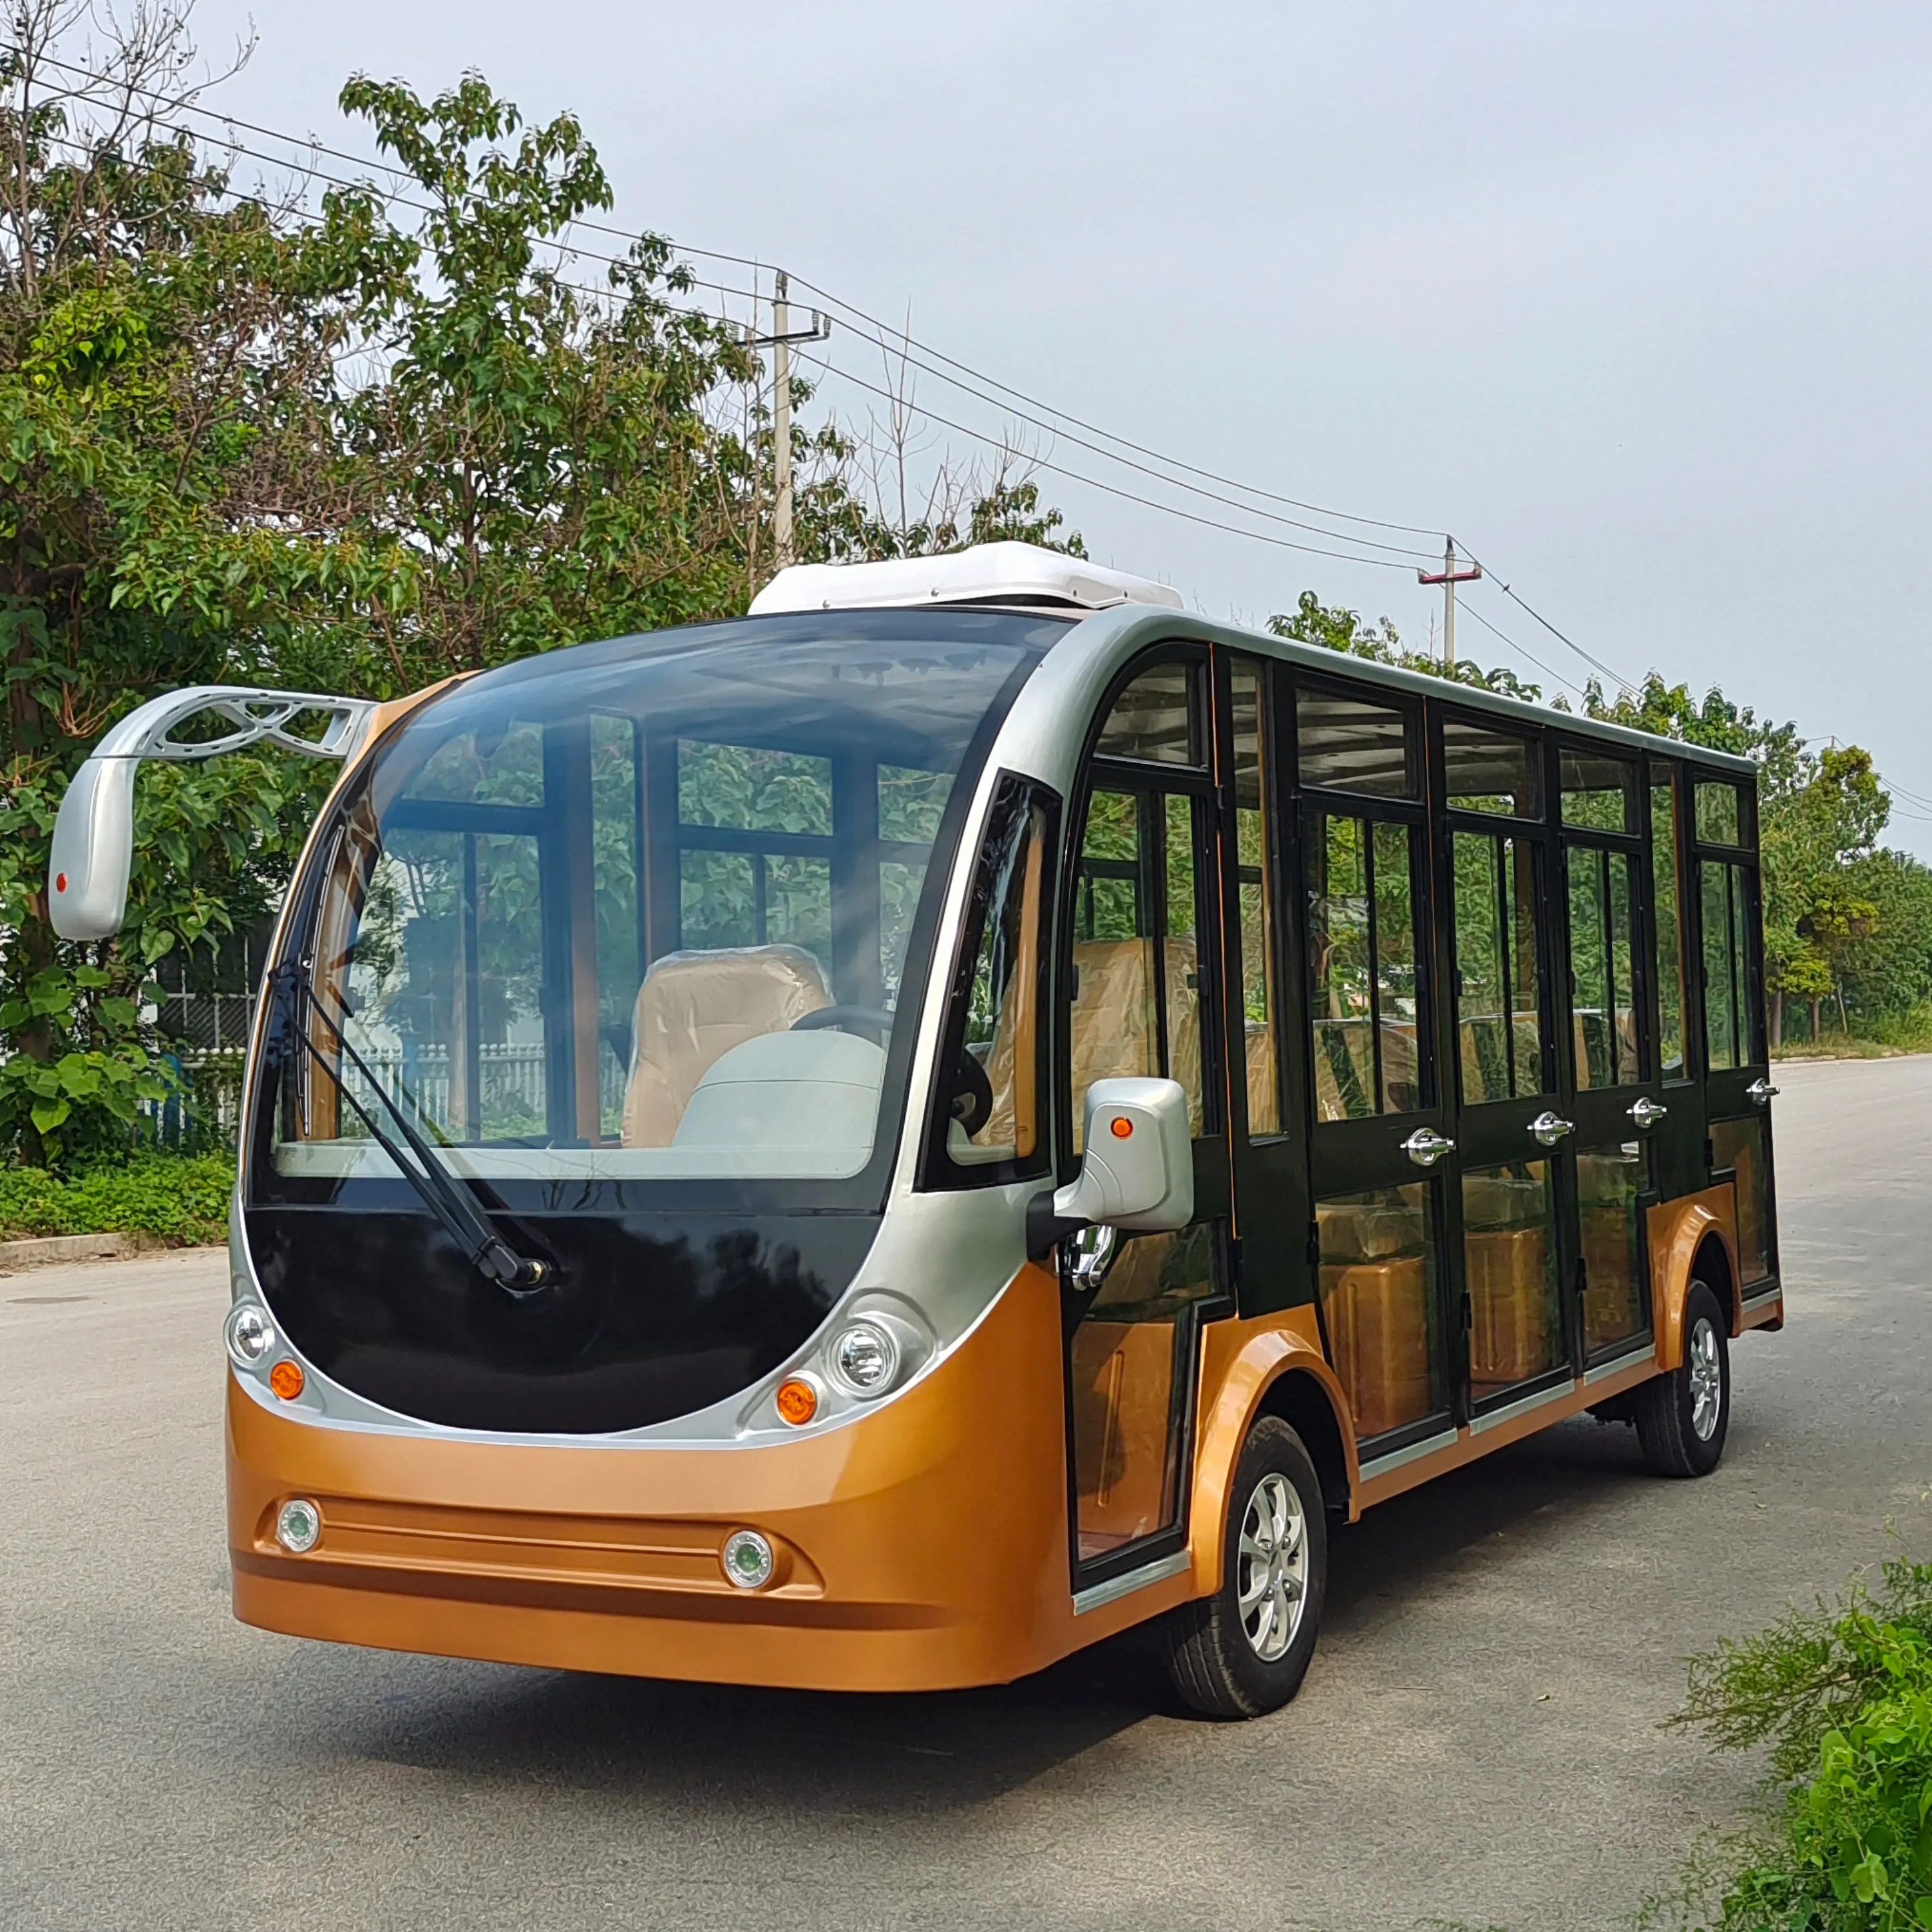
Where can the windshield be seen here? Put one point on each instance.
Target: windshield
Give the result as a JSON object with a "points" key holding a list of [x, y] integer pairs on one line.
{"points": [[648, 910]]}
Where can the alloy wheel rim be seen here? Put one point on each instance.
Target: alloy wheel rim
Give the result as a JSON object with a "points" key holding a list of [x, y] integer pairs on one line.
{"points": [[1707, 1380], [1271, 1568]]}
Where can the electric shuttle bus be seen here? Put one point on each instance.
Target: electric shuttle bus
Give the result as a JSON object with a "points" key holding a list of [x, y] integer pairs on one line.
{"points": [[873, 1145]]}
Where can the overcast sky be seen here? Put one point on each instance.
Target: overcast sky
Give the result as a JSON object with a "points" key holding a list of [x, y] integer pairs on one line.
{"points": [[1631, 298]]}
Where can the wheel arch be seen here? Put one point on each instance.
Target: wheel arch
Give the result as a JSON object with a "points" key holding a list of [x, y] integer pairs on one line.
{"points": [[1694, 1238], [1268, 1371]]}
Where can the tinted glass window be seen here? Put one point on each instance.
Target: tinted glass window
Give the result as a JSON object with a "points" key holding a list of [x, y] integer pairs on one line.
{"points": [[1488, 770], [1346, 744], [1669, 931], [1155, 719], [1599, 791], [1719, 822]]}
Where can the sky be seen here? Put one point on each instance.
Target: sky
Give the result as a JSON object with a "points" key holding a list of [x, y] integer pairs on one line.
{"points": [[1632, 298]]}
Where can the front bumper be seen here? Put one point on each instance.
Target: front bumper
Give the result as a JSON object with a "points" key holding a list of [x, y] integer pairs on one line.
{"points": [[921, 1546]]}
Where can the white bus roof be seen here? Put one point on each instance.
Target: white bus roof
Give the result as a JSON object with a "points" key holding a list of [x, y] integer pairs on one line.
{"points": [[995, 573]]}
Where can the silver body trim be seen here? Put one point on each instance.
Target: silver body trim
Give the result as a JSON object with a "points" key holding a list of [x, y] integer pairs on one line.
{"points": [[1774, 1292], [1397, 1459], [1115, 1588], [1604, 1371], [1510, 1411]]}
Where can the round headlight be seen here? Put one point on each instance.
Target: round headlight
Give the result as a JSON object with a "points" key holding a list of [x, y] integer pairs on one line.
{"points": [[250, 1336], [298, 1527], [747, 1559], [865, 1357]]}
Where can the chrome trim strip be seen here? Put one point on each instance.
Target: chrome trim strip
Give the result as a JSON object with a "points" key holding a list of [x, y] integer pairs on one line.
{"points": [[1774, 1293], [1510, 1411], [1115, 1588], [1604, 1370], [1381, 1465]]}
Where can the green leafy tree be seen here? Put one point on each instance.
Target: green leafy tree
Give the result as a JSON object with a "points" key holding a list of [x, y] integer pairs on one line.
{"points": [[1335, 628]]}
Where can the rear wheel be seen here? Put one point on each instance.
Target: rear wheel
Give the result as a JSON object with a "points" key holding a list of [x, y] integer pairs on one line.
{"points": [[1682, 1417], [1244, 1651]]}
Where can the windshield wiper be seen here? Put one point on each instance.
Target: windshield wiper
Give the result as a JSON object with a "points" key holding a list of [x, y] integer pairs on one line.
{"points": [[441, 1193]]}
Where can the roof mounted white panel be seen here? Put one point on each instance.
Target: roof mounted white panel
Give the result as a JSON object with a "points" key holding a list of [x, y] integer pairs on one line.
{"points": [[995, 573]]}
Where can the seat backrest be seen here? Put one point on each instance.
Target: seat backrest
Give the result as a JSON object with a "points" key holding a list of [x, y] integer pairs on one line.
{"points": [[1114, 1031], [692, 1009]]}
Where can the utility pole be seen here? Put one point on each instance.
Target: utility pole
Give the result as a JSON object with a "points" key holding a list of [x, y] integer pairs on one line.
{"points": [[779, 342], [1449, 577]]}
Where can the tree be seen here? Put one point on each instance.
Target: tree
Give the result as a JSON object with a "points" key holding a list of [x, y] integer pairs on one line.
{"points": [[1334, 628]]}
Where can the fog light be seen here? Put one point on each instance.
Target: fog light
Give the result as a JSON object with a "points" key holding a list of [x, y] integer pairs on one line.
{"points": [[249, 1335], [748, 1561], [865, 1357], [298, 1527], [286, 1379], [798, 1401]]}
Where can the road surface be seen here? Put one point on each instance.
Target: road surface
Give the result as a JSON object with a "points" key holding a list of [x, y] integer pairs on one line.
{"points": [[1478, 1740]]}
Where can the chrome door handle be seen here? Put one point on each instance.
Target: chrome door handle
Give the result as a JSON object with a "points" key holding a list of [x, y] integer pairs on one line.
{"points": [[1093, 1250], [1426, 1147], [1647, 1112], [1550, 1128], [1761, 1091]]}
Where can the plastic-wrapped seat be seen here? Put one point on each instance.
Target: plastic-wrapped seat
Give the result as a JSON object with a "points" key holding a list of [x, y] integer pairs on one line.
{"points": [[692, 1009]]}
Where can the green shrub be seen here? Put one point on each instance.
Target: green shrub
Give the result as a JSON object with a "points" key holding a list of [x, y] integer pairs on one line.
{"points": [[179, 1200], [1842, 1695]]}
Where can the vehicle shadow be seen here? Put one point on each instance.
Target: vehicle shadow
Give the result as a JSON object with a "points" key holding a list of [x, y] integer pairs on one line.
{"points": [[671, 1745]]}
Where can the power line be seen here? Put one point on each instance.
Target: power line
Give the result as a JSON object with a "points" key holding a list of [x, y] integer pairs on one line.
{"points": [[1530, 656]]}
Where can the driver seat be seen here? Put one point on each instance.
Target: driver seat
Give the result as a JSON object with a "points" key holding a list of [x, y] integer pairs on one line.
{"points": [[692, 1009]]}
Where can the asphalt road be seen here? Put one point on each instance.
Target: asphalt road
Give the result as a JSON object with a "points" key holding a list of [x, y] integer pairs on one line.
{"points": [[1478, 1740]]}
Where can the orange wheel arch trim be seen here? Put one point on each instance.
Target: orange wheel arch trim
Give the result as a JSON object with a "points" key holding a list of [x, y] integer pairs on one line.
{"points": [[1678, 1230], [1241, 1361]]}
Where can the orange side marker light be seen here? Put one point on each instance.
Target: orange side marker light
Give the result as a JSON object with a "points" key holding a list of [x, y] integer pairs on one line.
{"points": [[60, 882], [1124, 1128], [286, 1379], [798, 1401]]}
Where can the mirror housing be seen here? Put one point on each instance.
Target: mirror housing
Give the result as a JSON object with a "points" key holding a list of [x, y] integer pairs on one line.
{"points": [[1138, 1172], [93, 848]]}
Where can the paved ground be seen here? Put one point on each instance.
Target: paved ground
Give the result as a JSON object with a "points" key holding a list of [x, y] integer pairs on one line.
{"points": [[1478, 1740]]}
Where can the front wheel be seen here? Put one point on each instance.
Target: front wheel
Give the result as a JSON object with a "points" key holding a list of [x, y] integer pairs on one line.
{"points": [[1683, 1418], [1244, 1651]]}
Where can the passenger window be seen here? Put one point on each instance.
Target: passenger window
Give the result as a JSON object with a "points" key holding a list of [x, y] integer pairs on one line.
{"points": [[1719, 821], [990, 1093], [1603, 1003], [1498, 1012], [1669, 932], [1370, 1054], [1154, 721], [1136, 950], [1488, 770], [1730, 1028], [1344, 744], [1255, 875], [1599, 792], [911, 803], [1739, 1146]]}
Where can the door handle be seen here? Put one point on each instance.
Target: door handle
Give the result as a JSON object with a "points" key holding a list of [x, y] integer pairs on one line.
{"points": [[1426, 1147], [1550, 1128], [1647, 1113], [1761, 1091]]}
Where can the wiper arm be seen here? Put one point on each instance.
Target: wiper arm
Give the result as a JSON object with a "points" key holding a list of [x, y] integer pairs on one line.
{"points": [[445, 1197]]}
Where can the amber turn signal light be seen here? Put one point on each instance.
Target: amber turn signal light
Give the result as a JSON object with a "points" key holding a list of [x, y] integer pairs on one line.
{"points": [[798, 1401], [286, 1378], [1124, 1128]]}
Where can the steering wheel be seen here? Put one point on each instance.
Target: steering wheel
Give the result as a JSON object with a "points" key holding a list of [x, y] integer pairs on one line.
{"points": [[852, 1019]]}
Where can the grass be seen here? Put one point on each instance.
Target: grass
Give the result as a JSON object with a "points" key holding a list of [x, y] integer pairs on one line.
{"points": [[1879, 1037], [181, 1201]]}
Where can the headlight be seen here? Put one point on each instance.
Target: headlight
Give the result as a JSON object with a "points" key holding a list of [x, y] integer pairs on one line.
{"points": [[250, 1334], [865, 1357]]}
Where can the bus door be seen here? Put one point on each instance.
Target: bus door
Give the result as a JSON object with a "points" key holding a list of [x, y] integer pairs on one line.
{"points": [[1495, 866], [1142, 978], [1379, 1136], [1729, 974], [1613, 1091]]}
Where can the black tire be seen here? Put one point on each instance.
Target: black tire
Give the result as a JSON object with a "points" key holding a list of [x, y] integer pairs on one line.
{"points": [[1217, 1667], [1678, 1437]]}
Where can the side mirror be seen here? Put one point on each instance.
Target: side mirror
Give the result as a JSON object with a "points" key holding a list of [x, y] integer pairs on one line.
{"points": [[94, 836], [1138, 1172]]}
